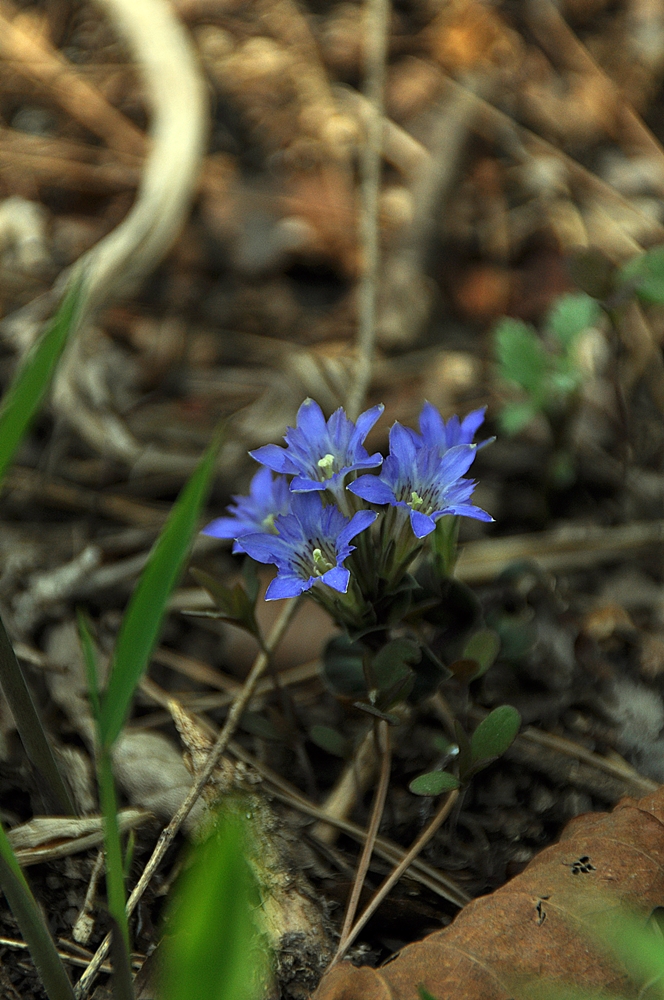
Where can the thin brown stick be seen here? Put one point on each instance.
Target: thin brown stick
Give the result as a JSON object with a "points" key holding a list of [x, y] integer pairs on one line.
{"points": [[168, 833], [382, 735], [392, 879], [376, 35]]}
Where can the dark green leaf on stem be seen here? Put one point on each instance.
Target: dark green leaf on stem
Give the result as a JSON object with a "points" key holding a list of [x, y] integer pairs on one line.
{"points": [[434, 783], [234, 603], [392, 663], [484, 647], [645, 274], [495, 734], [330, 740], [343, 669], [571, 315], [522, 356]]}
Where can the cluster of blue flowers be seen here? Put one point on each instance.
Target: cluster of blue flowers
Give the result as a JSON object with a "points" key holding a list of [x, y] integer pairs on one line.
{"points": [[304, 518]]}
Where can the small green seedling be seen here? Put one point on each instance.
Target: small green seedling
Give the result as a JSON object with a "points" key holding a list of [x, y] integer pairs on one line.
{"points": [[492, 738], [543, 368]]}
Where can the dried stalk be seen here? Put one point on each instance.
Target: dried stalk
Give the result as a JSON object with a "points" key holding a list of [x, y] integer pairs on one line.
{"points": [[392, 879], [168, 833], [382, 735]]}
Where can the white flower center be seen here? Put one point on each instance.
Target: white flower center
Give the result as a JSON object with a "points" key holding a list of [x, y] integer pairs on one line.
{"points": [[321, 564], [326, 465]]}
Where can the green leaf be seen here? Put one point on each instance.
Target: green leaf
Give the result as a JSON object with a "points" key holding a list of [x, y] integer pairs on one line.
{"points": [[26, 392], [142, 620], [213, 948], [484, 647], [424, 993], [33, 927], [392, 663], [646, 274], [90, 660], [122, 980], [433, 783], [522, 356], [495, 734], [571, 315], [330, 740], [234, 603], [30, 729], [342, 667], [515, 416]]}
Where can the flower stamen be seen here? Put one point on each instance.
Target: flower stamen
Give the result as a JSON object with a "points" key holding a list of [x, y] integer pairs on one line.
{"points": [[321, 564], [326, 465]]}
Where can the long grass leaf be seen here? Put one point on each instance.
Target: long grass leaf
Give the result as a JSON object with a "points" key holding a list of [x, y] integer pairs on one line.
{"points": [[115, 885], [26, 392], [142, 620], [33, 928], [122, 982], [213, 947], [115, 868], [29, 725]]}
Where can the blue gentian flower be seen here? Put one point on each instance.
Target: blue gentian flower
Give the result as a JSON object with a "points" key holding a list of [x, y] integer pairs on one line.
{"points": [[310, 546], [422, 481], [320, 453], [445, 434], [267, 498]]}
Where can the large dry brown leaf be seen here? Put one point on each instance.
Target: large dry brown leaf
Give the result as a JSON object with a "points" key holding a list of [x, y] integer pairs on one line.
{"points": [[535, 928]]}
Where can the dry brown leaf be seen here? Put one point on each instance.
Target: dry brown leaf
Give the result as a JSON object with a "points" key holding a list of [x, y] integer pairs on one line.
{"points": [[532, 929]]}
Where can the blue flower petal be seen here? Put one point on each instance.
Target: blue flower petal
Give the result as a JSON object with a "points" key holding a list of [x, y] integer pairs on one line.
{"points": [[421, 524], [402, 446], [265, 548], [275, 458], [338, 578], [357, 524], [222, 527], [468, 510], [456, 461], [300, 484], [373, 489], [432, 425], [470, 425], [366, 420], [286, 585]]}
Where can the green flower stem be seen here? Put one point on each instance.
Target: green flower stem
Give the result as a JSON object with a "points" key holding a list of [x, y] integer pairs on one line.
{"points": [[115, 886], [444, 545], [33, 928], [29, 725]]}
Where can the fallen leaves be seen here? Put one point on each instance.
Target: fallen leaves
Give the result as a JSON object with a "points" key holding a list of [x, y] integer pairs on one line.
{"points": [[536, 928]]}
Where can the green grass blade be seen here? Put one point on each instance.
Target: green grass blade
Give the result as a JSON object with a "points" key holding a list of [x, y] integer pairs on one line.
{"points": [[115, 866], [142, 620], [90, 660], [25, 394], [122, 982], [29, 725], [33, 928], [213, 948], [115, 884]]}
